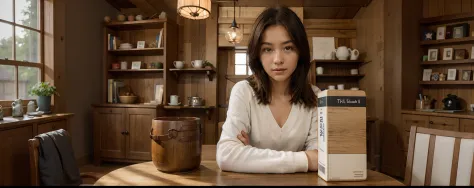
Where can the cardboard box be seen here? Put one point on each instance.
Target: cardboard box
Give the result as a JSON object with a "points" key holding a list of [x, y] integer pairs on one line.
{"points": [[342, 154]]}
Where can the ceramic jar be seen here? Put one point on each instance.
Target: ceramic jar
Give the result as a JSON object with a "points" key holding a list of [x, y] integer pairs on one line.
{"points": [[107, 19], [131, 18], [343, 53], [121, 17], [139, 17]]}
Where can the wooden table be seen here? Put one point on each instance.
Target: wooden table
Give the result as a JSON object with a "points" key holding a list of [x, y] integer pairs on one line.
{"points": [[143, 174]]}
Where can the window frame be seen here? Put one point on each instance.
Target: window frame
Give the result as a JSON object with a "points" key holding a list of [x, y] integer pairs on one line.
{"points": [[16, 63], [247, 67]]}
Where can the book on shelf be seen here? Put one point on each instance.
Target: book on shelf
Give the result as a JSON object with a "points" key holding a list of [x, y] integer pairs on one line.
{"points": [[112, 42], [110, 90], [159, 39]]}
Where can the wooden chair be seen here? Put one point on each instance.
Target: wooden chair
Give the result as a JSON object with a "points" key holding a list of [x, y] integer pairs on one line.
{"points": [[34, 144], [439, 157]]}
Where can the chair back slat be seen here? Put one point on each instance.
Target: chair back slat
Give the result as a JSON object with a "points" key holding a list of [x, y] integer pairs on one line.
{"points": [[33, 145], [439, 157]]}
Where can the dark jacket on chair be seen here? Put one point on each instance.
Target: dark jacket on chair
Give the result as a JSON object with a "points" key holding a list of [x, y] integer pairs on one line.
{"points": [[56, 163]]}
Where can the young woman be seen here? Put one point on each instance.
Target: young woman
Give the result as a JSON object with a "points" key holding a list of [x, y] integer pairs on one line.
{"points": [[271, 124]]}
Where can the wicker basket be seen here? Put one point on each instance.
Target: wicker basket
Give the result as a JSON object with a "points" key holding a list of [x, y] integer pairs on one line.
{"points": [[128, 99]]}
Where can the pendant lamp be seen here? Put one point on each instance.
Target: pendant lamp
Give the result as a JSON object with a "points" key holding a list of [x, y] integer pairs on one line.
{"points": [[194, 9], [234, 34]]}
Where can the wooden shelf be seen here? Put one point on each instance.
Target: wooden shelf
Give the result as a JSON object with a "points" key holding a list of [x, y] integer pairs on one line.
{"points": [[120, 105], [457, 82], [208, 71], [321, 61], [185, 107], [137, 25], [447, 19], [447, 41], [335, 75], [236, 78], [136, 52], [448, 62], [139, 70]]}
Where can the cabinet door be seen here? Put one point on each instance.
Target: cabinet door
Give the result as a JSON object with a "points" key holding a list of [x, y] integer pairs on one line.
{"points": [[444, 123], [14, 156], [411, 120], [109, 129], [466, 125], [51, 126], [138, 122]]}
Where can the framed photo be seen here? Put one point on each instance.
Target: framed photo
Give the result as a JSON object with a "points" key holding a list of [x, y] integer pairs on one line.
{"points": [[449, 32], [435, 76], [159, 93], [451, 74], [466, 75], [441, 33], [458, 32], [429, 35], [459, 54], [448, 54], [140, 44], [136, 64], [427, 74], [433, 55], [472, 52]]}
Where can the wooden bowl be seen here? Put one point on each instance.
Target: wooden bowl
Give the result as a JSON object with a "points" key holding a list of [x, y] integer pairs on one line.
{"points": [[128, 99]]}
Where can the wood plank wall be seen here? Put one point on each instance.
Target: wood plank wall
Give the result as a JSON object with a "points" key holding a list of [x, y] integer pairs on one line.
{"points": [[344, 31], [465, 92]]}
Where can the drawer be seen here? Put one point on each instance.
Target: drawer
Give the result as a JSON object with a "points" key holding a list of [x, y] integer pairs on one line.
{"points": [[466, 125], [110, 110], [443, 123], [414, 120]]}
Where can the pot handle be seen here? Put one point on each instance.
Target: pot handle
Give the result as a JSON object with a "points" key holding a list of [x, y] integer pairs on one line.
{"points": [[172, 133]]}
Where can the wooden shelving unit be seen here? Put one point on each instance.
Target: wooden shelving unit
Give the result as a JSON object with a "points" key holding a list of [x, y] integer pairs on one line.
{"points": [[448, 41], [336, 72], [137, 25], [449, 62], [136, 70], [447, 19], [456, 82], [207, 109], [208, 71], [138, 52]]}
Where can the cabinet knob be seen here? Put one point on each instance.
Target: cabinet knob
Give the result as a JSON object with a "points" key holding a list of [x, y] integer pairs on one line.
{"points": [[431, 122], [126, 132]]}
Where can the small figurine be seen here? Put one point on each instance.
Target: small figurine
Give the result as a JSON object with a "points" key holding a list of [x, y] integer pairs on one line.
{"points": [[1, 113], [17, 110], [31, 107]]}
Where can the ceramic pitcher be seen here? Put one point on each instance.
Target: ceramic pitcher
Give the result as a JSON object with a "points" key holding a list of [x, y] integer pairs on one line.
{"points": [[354, 54]]}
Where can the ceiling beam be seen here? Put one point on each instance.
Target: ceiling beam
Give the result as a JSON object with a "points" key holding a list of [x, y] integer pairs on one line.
{"points": [[146, 8]]}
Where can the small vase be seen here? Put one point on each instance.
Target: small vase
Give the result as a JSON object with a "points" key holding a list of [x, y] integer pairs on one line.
{"points": [[44, 104], [131, 18]]}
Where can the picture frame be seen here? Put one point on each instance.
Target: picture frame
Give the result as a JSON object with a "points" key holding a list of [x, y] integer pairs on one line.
{"points": [[427, 74], [435, 76], [449, 32], [441, 33], [432, 54], [136, 65], [451, 74], [448, 54], [458, 32], [472, 52], [140, 44], [466, 75], [429, 35], [159, 93], [460, 54]]}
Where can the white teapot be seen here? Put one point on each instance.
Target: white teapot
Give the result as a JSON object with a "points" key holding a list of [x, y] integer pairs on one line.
{"points": [[343, 53]]}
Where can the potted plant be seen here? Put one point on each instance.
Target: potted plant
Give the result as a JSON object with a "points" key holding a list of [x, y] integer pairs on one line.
{"points": [[44, 91]]}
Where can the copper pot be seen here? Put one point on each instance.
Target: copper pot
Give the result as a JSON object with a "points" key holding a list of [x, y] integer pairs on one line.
{"points": [[176, 143]]}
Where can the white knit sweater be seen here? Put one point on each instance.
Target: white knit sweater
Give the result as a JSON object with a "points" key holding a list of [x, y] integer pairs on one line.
{"points": [[273, 149]]}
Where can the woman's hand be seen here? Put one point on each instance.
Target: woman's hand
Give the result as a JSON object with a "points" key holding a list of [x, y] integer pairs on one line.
{"points": [[244, 138], [312, 160]]}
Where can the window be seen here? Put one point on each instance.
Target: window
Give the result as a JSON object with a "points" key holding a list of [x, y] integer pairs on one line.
{"points": [[21, 64], [241, 63]]}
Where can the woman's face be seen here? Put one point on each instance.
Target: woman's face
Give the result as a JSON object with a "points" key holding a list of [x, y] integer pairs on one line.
{"points": [[278, 54]]}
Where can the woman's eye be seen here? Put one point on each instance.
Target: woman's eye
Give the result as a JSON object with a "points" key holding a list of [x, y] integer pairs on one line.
{"points": [[289, 48], [267, 50]]}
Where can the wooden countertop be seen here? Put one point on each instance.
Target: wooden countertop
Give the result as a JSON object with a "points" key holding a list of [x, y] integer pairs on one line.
{"points": [[209, 174], [463, 115], [120, 105], [9, 121]]}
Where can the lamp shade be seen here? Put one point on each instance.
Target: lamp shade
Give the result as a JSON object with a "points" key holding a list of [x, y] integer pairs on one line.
{"points": [[194, 9], [234, 34]]}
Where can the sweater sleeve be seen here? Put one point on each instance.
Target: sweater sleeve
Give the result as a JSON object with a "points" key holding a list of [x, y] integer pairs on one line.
{"points": [[233, 155], [312, 139]]}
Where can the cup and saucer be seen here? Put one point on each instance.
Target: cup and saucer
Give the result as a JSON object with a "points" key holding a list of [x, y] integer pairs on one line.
{"points": [[174, 104]]}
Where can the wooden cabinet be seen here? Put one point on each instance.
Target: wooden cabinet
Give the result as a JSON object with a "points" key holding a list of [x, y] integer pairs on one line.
{"points": [[444, 123], [14, 151], [466, 125], [14, 156], [414, 120], [121, 134]]}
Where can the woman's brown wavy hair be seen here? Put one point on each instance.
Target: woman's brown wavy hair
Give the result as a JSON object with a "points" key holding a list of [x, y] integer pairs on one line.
{"points": [[300, 87]]}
